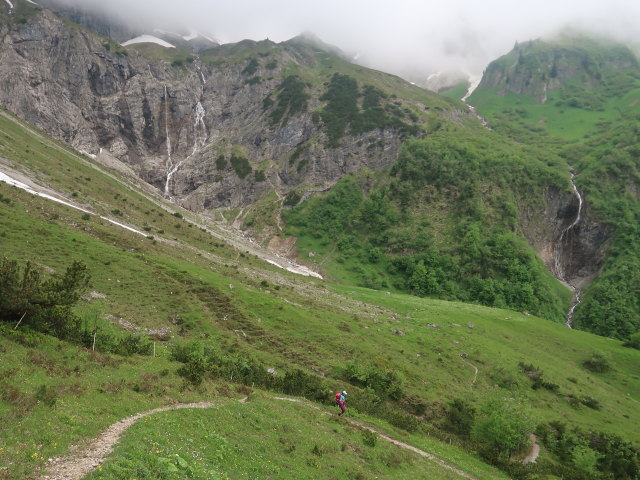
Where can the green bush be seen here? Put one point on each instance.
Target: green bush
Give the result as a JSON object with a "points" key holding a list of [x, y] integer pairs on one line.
{"points": [[241, 165], [292, 198], [291, 99], [44, 305], [221, 163], [502, 427], [633, 342], [460, 417], [251, 67], [386, 383], [597, 363], [369, 438]]}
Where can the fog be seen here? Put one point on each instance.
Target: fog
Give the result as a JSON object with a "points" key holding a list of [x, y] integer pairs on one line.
{"points": [[412, 38]]}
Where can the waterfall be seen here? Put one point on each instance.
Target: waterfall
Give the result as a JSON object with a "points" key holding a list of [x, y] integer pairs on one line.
{"points": [[199, 128], [199, 140], [473, 84], [169, 163], [559, 255]]}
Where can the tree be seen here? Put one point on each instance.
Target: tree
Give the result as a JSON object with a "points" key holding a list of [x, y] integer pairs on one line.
{"points": [[43, 305], [502, 426]]}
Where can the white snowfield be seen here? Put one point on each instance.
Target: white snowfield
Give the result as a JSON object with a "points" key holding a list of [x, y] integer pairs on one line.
{"points": [[147, 39], [11, 181], [10, 4]]}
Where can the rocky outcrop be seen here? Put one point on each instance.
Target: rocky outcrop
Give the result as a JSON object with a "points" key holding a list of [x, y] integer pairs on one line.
{"points": [[537, 67], [584, 247], [179, 124]]}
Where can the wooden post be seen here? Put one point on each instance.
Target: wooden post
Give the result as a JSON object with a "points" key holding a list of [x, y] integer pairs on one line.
{"points": [[20, 320], [93, 347], [154, 349]]}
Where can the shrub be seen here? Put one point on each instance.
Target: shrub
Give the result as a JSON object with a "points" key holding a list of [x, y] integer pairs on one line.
{"points": [[369, 438], [241, 165], [597, 363], [292, 198], [386, 383], [44, 305], [502, 427], [460, 417], [221, 163], [291, 99], [633, 342], [251, 67]]}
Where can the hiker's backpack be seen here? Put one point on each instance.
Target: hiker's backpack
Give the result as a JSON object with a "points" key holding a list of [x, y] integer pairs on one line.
{"points": [[338, 395]]}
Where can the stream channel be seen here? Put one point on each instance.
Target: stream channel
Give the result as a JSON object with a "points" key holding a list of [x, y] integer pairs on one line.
{"points": [[562, 255]]}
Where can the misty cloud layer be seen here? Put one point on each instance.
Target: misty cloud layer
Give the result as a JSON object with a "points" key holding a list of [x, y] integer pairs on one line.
{"points": [[410, 37]]}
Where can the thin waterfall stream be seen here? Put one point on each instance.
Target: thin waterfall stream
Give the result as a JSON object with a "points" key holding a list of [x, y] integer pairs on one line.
{"points": [[169, 164], [562, 257]]}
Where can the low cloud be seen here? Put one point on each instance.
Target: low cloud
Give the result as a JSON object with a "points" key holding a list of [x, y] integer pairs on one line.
{"points": [[409, 37]]}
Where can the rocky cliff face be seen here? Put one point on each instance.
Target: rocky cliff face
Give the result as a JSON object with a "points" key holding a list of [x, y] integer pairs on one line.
{"points": [[580, 254], [534, 68], [188, 125]]}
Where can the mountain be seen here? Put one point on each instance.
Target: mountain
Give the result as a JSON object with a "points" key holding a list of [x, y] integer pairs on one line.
{"points": [[141, 185], [578, 95], [214, 129], [175, 313], [564, 85], [257, 134]]}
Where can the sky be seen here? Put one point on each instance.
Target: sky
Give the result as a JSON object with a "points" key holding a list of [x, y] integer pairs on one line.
{"points": [[412, 38]]}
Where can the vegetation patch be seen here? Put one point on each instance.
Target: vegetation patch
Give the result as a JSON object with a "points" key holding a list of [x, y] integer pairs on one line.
{"points": [[291, 99], [240, 164]]}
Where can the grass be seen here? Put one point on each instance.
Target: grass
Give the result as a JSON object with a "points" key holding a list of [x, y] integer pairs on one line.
{"points": [[566, 122], [263, 438], [55, 394]]}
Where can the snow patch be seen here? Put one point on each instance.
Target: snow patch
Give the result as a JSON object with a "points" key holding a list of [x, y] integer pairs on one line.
{"points": [[474, 81], [10, 5], [192, 36], [299, 269], [30, 1], [11, 181], [147, 39]]}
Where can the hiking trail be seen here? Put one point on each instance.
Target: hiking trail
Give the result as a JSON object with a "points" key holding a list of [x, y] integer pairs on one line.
{"points": [[475, 369], [83, 460], [534, 450]]}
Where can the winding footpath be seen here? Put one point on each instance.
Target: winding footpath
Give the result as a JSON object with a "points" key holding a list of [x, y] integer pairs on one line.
{"points": [[534, 450], [83, 461]]}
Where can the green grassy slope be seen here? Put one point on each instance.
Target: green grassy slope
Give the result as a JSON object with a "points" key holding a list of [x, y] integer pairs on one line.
{"points": [[589, 117], [443, 221], [201, 290], [266, 438], [564, 86]]}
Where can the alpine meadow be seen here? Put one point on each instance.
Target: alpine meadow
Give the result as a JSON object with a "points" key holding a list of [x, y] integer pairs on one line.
{"points": [[201, 243]]}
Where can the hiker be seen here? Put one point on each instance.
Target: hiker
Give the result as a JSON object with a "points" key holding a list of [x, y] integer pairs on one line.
{"points": [[341, 401]]}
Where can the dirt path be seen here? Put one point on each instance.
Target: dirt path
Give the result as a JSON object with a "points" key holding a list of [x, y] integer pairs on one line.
{"points": [[532, 456], [384, 436], [83, 460], [475, 369]]}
